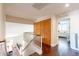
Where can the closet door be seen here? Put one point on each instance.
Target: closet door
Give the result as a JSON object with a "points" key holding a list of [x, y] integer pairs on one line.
{"points": [[47, 31], [42, 31], [43, 28], [37, 28]]}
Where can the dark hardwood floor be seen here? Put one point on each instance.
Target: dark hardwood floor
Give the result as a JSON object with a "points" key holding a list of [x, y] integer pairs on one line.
{"points": [[63, 49]]}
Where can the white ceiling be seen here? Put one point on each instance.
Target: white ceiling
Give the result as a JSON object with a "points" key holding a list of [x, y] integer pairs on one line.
{"points": [[33, 11]]}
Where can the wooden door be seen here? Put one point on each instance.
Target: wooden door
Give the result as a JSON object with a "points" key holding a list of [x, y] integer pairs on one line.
{"points": [[43, 28], [37, 28], [47, 31], [42, 31]]}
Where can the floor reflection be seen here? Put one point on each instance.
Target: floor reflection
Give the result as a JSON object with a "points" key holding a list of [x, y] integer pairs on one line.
{"points": [[62, 49]]}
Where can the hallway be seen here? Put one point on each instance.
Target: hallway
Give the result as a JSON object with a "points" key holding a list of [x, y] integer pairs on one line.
{"points": [[63, 49]]}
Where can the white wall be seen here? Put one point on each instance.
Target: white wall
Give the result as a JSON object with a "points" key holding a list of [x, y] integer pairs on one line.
{"points": [[74, 28], [38, 19], [2, 23], [2, 31], [54, 31], [13, 29]]}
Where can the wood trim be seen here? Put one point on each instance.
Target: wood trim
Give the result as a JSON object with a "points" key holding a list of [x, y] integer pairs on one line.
{"points": [[18, 20]]}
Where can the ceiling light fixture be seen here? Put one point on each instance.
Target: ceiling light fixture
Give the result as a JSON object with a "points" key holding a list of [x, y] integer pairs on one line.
{"points": [[67, 5]]}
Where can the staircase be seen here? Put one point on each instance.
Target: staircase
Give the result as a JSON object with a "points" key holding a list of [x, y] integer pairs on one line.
{"points": [[34, 46], [31, 43]]}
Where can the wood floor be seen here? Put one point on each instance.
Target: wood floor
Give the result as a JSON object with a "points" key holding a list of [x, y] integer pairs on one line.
{"points": [[63, 49]]}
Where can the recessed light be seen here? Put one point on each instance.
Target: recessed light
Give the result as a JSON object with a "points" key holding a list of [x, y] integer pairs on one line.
{"points": [[67, 5]]}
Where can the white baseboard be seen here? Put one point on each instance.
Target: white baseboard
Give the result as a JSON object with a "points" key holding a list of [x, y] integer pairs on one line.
{"points": [[74, 48], [53, 45]]}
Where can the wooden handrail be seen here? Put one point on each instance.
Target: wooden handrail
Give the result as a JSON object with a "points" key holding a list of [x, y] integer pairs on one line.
{"points": [[2, 41]]}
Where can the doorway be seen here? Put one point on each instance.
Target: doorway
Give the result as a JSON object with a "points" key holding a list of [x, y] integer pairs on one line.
{"points": [[63, 35]]}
